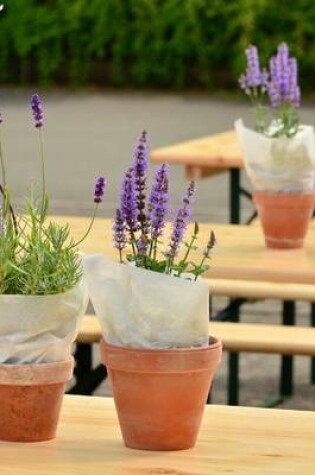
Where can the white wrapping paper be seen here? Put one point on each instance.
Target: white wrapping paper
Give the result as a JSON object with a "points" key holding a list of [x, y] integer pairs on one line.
{"points": [[145, 309], [40, 329], [279, 164]]}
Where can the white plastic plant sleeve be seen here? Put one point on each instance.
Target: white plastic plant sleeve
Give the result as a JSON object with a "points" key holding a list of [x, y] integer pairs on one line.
{"points": [[40, 329], [279, 164], [145, 309]]}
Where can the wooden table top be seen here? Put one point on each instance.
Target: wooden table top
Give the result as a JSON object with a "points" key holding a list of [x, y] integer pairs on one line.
{"points": [[240, 254], [219, 151], [236, 440]]}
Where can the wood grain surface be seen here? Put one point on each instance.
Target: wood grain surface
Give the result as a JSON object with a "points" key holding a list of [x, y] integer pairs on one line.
{"points": [[233, 440], [244, 337], [239, 255], [219, 152]]}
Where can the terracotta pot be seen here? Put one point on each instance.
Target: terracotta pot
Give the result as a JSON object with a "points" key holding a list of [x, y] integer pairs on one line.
{"points": [[160, 395], [30, 400], [284, 217]]}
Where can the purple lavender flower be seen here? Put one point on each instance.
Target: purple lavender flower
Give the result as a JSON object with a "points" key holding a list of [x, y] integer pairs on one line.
{"points": [[253, 77], [181, 221], [295, 92], [140, 166], [274, 95], [99, 189], [128, 201], [142, 246], [283, 86], [37, 110], [119, 231], [158, 201]]}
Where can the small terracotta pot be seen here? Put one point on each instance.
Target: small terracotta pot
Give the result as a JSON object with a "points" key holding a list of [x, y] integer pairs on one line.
{"points": [[284, 217], [160, 395], [30, 400]]}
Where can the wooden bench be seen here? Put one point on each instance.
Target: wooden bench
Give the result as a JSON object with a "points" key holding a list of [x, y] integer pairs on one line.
{"points": [[236, 337]]}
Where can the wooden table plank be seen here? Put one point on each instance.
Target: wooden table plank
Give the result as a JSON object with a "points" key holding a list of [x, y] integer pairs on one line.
{"points": [[240, 253], [219, 152], [234, 440]]}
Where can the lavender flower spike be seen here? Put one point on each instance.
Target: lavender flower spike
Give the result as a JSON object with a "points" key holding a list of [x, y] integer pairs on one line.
{"points": [[119, 231], [294, 92], [253, 77], [128, 203], [140, 166], [142, 246], [283, 86], [37, 109], [158, 201], [99, 189], [181, 221]]}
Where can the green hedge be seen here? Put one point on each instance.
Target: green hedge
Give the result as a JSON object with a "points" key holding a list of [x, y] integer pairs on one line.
{"points": [[149, 43]]}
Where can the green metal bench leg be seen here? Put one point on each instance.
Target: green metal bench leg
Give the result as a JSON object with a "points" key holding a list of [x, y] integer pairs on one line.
{"points": [[286, 379], [233, 372], [235, 199], [87, 377]]}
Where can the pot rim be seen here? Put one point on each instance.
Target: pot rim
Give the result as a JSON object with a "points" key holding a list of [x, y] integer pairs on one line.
{"points": [[213, 344], [36, 374], [161, 361]]}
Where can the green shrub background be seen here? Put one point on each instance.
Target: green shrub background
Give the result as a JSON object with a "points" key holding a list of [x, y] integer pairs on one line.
{"points": [[169, 44]]}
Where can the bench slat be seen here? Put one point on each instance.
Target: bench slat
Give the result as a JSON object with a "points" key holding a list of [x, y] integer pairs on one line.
{"points": [[237, 337], [261, 290]]}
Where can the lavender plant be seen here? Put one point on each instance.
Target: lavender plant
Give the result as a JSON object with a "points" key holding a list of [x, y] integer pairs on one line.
{"points": [[37, 256], [279, 86], [140, 222]]}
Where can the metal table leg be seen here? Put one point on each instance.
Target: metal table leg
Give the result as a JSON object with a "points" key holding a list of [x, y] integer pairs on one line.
{"points": [[235, 199], [235, 217], [286, 381], [233, 372]]}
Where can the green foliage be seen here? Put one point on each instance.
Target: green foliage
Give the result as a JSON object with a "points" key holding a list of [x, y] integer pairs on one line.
{"points": [[158, 260], [149, 43], [36, 257], [38, 260]]}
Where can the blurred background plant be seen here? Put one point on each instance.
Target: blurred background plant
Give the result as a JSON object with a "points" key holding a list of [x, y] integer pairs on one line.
{"points": [[149, 43], [274, 93]]}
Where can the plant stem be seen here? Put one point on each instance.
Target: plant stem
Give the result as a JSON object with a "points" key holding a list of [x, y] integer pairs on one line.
{"points": [[5, 197], [41, 145], [75, 244], [201, 264], [190, 245]]}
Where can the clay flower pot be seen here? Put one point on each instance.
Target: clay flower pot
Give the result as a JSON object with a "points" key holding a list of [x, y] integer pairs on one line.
{"points": [[30, 400], [284, 217], [160, 395]]}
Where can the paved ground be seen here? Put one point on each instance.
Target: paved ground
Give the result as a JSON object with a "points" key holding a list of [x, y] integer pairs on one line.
{"points": [[88, 134]]}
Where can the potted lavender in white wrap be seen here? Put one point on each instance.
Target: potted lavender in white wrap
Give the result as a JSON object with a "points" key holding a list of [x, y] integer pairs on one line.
{"points": [[154, 313], [42, 299], [279, 152]]}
